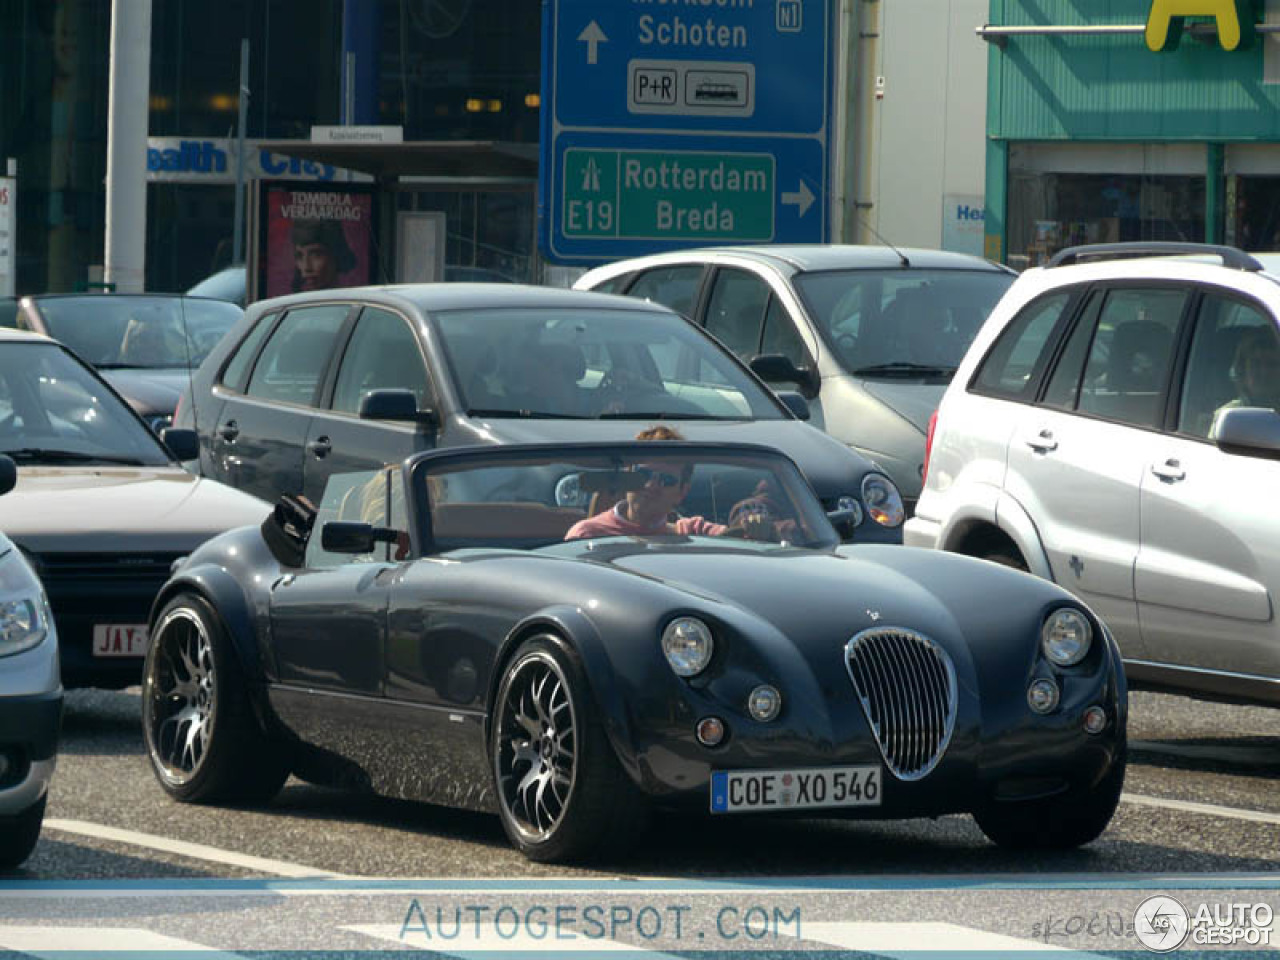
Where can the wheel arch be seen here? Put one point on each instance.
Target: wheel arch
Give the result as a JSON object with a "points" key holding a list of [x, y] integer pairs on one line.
{"points": [[971, 533], [577, 632]]}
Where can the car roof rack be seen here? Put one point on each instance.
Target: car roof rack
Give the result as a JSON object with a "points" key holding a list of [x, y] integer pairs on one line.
{"points": [[1231, 256]]}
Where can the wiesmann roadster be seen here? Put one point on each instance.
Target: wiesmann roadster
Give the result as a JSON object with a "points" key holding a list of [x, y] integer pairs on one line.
{"points": [[573, 635]]}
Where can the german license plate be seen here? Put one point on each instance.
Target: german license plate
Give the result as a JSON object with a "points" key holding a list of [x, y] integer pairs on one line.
{"points": [[119, 639], [806, 789]]}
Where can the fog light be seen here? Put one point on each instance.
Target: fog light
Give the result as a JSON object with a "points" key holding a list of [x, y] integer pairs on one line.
{"points": [[710, 731], [1095, 720], [1042, 696], [764, 703]]}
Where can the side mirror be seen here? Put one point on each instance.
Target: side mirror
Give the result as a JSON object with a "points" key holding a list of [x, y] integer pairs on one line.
{"points": [[8, 474], [356, 538], [795, 403], [775, 368], [1249, 432], [184, 444], [844, 521], [401, 405]]}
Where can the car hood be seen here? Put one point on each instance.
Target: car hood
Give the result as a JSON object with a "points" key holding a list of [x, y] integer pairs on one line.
{"points": [[832, 468], [914, 402], [121, 509], [808, 596], [150, 391]]}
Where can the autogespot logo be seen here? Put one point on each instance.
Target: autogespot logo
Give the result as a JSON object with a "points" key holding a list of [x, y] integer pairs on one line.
{"points": [[1161, 923]]}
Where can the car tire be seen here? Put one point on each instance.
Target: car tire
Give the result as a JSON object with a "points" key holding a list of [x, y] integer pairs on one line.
{"points": [[1007, 556], [1056, 823], [562, 794], [203, 740], [19, 833]]}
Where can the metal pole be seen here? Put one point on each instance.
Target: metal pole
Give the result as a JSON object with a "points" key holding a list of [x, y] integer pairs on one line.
{"points": [[237, 238], [866, 66], [125, 253]]}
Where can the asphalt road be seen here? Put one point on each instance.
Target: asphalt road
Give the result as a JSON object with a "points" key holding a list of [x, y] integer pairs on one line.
{"points": [[121, 867]]}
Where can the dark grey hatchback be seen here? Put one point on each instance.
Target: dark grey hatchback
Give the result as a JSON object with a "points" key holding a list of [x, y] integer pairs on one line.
{"points": [[335, 381]]}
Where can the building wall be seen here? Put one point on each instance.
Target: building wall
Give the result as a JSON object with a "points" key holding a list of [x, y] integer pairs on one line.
{"points": [[931, 128]]}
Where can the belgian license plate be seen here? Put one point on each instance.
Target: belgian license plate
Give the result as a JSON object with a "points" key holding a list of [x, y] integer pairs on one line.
{"points": [[806, 789], [119, 639]]}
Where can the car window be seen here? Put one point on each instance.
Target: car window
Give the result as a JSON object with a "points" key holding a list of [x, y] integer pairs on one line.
{"points": [[1009, 367], [1063, 389], [237, 371], [920, 316], [674, 287], [382, 354], [1130, 354], [1234, 359], [613, 284], [735, 311], [9, 313], [781, 336], [295, 357], [589, 363], [53, 410], [152, 331], [375, 497]]}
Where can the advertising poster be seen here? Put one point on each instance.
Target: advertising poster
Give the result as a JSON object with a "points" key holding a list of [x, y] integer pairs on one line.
{"points": [[314, 236]]}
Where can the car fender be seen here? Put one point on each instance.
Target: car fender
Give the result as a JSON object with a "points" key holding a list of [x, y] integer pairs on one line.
{"points": [[1017, 523], [579, 632]]}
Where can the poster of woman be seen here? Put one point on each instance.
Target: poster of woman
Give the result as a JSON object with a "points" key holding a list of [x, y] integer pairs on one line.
{"points": [[316, 236]]}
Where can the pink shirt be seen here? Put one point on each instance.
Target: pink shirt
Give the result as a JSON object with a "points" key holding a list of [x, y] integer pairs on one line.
{"points": [[612, 523]]}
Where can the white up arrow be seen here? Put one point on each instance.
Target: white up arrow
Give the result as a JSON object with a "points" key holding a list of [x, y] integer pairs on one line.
{"points": [[592, 36], [802, 198]]}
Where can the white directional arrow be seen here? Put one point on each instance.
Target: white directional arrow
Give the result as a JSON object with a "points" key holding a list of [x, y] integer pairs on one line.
{"points": [[592, 36], [802, 198]]}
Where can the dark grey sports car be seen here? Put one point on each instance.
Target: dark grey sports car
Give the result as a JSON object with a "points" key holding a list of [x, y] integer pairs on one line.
{"points": [[572, 635]]}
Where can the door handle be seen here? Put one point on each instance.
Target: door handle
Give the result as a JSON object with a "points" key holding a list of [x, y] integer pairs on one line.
{"points": [[1170, 471], [320, 447], [1042, 442], [229, 431]]}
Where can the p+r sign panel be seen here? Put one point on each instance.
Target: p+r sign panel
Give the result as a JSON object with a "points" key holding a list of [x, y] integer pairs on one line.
{"points": [[679, 123]]}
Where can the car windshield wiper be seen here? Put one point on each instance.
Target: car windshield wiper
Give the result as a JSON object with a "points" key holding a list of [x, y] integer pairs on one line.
{"points": [[130, 366], [522, 414], [659, 415], [902, 368], [69, 456]]}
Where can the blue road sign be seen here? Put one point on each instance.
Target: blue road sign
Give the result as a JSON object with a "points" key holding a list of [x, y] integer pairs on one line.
{"points": [[675, 123]]}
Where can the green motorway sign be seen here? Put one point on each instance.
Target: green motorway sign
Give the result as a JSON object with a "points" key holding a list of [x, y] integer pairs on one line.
{"points": [[668, 195]]}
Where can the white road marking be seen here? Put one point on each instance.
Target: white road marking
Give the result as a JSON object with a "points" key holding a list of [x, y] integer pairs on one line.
{"points": [[195, 851], [1208, 809], [52, 941], [906, 940]]}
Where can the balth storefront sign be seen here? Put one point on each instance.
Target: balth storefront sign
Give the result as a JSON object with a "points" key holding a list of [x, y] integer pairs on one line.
{"points": [[1233, 19], [213, 160]]}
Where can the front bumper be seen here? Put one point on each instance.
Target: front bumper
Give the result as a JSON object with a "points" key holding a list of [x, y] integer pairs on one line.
{"points": [[29, 729]]}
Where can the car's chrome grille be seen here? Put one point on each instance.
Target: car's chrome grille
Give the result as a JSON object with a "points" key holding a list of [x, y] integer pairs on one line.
{"points": [[907, 686]]}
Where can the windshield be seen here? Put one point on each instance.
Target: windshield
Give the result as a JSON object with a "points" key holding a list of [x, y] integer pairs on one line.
{"points": [[901, 322], [658, 489], [594, 363], [55, 411], [112, 331]]}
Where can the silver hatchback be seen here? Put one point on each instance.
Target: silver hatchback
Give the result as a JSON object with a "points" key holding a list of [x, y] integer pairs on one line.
{"points": [[869, 335]]}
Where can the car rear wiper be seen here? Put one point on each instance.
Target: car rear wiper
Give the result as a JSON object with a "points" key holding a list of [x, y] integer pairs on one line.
{"points": [[903, 368], [523, 414], [69, 456]]}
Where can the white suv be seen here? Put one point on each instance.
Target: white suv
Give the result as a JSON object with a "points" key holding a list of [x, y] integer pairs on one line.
{"points": [[1114, 428]]}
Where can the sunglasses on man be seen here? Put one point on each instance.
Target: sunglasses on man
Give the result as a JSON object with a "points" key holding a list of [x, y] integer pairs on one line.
{"points": [[661, 476]]}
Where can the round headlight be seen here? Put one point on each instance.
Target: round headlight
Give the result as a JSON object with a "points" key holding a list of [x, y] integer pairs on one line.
{"points": [[688, 646], [1042, 696], [764, 703], [884, 503], [1066, 636]]}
